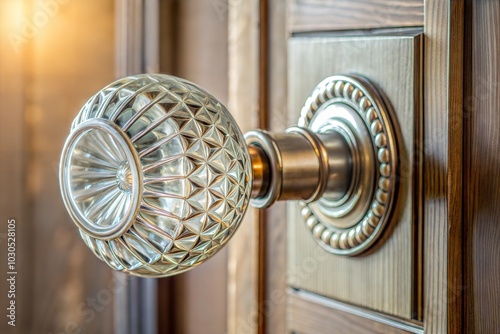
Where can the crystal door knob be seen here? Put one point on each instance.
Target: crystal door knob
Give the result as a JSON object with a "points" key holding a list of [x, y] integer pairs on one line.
{"points": [[157, 175]]}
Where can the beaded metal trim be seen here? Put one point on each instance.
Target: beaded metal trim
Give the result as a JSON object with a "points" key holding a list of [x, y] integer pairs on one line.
{"points": [[357, 92]]}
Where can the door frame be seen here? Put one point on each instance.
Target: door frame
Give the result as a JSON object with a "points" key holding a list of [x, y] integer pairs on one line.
{"points": [[137, 44]]}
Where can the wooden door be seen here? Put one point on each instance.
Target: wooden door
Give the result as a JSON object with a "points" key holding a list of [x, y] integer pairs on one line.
{"points": [[434, 270]]}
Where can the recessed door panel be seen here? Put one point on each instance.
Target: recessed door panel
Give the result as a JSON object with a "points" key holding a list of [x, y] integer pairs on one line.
{"points": [[385, 278]]}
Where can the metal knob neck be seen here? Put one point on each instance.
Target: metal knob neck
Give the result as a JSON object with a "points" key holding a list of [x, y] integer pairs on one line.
{"points": [[299, 165]]}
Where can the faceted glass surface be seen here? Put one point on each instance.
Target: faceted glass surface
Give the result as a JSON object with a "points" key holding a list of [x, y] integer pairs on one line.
{"points": [[163, 183]]}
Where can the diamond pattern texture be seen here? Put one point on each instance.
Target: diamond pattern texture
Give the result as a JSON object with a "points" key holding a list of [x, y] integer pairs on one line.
{"points": [[196, 174]]}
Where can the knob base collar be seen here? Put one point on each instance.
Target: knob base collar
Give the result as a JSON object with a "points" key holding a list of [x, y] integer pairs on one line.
{"points": [[352, 106]]}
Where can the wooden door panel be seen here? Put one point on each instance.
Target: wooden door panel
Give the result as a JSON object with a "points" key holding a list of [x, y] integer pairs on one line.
{"points": [[327, 15], [385, 278], [309, 313]]}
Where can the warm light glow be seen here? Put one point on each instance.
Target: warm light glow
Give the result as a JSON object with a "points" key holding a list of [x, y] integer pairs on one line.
{"points": [[12, 26], [12, 15]]}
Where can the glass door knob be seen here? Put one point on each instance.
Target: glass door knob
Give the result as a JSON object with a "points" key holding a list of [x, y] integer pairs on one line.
{"points": [[157, 175]]}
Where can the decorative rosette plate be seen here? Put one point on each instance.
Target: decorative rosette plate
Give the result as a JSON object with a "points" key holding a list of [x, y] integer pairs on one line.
{"points": [[349, 104]]}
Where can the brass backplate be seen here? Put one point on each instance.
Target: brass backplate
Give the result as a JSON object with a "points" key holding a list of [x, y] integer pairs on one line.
{"points": [[386, 278]]}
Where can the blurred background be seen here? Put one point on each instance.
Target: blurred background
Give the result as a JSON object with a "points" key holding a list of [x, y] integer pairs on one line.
{"points": [[55, 54]]}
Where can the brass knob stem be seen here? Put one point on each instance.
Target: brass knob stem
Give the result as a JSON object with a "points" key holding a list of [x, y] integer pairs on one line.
{"points": [[298, 165], [260, 171]]}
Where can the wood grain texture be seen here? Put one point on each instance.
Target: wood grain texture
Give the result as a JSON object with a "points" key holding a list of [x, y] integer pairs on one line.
{"points": [[455, 167], [263, 97], [482, 168], [383, 279], [324, 15], [275, 221], [309, 313], [442, 149], [243, 250]]}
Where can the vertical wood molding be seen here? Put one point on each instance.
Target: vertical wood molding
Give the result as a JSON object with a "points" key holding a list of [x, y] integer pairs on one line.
{"points": [[275, 222], [443, 119], [263, 124], [482, 167], [456, 288], [129, 37], [243, 266], [435, 161], [137, 51]]}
